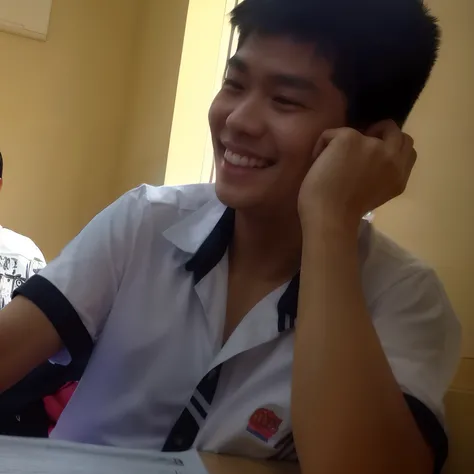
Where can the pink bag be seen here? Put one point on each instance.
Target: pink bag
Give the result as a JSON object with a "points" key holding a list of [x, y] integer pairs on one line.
{"points": [[55, 404]]}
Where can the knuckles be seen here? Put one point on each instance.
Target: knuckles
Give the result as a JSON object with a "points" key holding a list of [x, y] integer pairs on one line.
{"points": [[390, 164], [350, 135]]}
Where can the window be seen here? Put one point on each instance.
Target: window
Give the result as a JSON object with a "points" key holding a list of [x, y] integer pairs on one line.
{"points": [[208, 43], [228, 48]]}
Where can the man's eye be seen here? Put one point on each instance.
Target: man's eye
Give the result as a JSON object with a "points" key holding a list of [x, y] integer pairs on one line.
{"points": [[231, 84], [287, 102]]}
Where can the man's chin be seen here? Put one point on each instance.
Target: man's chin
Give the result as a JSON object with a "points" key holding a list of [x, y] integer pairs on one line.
{"points": [[237, 199], [253, 201]]}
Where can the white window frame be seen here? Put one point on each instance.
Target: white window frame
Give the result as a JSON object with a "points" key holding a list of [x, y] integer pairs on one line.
{"points": [[227, 50]]}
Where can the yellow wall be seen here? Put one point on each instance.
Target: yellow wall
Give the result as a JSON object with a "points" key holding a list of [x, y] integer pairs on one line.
{"points": [[86, 115], [153, 89], [62, 110], [435, 217]]}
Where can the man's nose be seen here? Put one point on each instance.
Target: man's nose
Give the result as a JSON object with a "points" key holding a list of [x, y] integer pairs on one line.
{"points": [[247, 117]]}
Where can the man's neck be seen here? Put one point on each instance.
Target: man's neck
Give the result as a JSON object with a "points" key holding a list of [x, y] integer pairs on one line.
{"points": [[266, 246]]}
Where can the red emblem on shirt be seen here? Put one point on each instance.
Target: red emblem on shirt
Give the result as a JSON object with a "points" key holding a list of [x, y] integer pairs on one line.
{"points": [[264, 424]]}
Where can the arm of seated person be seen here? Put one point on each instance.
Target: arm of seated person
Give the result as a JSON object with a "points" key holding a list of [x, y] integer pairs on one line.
{"points": [[66, 305], [27, 339]]}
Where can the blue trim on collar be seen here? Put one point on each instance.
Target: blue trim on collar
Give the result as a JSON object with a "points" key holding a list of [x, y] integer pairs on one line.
{"points": [[288, 305], [212, 250]]}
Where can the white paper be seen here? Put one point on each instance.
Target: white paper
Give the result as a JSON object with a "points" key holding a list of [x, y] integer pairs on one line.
{"points": [[27, 456]]}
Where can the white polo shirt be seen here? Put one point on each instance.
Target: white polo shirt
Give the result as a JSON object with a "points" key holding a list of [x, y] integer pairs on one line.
{"points": [[143, 287]]}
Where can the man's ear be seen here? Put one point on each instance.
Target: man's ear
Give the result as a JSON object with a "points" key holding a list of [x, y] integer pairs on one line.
{"points": [[1, 183]]}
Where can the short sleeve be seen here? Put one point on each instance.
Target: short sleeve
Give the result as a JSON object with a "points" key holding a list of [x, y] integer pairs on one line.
{"points": [[76, 291], [421, 338]]}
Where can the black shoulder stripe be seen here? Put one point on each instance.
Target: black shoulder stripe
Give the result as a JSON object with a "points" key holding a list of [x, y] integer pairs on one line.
{"points": [[61, 314], [431, 430]]}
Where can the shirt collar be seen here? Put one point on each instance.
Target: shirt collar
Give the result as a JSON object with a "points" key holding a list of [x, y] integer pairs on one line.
{"points": [[206, 235], [190, 232]]}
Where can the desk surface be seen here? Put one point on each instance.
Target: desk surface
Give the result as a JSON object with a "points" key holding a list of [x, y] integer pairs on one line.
{"points": [[29, 456], [217, 464]]}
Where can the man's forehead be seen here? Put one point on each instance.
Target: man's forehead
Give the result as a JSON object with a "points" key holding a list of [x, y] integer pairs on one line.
{"points": [[278, 47], [280, 55]]}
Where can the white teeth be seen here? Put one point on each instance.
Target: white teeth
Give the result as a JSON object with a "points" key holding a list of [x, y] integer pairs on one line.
{"points": [[243, 161]]}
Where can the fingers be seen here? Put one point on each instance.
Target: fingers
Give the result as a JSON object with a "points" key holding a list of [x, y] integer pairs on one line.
{"points": [[398, 144], [409, 152], [382, 129], [389, 132], [328, 139]]}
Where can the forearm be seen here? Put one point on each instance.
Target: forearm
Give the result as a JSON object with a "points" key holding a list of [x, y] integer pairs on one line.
{"points": [[349, 414]]}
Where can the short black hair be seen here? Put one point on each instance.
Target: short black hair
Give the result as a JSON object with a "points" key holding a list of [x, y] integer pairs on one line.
{"points": [[382, 51], [1, 165]]}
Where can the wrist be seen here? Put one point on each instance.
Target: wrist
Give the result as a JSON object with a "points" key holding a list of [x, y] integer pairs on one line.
{"points": [[328, 220]]}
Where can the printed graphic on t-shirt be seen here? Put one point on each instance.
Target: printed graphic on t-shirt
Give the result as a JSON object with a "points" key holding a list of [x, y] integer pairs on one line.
{"points": [[14, 271]]}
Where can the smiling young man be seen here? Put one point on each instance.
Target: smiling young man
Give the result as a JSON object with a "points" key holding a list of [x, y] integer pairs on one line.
{"points": [[264, 317]]}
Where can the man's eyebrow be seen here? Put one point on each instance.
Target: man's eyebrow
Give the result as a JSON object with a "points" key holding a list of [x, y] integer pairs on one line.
{"points": [[294, 82], [236, 63], [284, 80]]}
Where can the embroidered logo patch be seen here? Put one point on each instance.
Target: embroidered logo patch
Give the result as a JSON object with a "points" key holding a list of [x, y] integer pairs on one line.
{"points": [[264, 424]]}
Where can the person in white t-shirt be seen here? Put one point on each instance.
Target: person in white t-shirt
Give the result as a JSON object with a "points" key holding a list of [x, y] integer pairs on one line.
{"points": [[20, 258]]}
